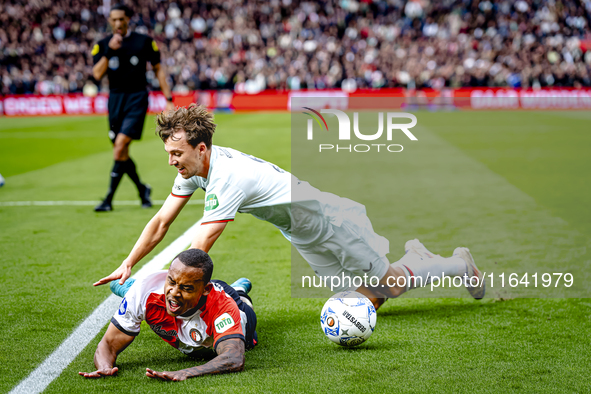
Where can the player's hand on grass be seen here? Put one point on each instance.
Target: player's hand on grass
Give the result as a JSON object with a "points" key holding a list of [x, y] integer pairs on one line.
{"points": [[115, 41], [100, 373], [175, 376], [122, 273]]}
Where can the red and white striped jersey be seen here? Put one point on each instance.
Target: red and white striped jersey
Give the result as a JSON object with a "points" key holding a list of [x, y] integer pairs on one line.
{"points": [[215, 319]]}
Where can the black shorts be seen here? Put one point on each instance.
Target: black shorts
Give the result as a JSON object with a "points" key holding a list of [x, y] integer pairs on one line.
{"points": [[127, 113], [251, 337]]}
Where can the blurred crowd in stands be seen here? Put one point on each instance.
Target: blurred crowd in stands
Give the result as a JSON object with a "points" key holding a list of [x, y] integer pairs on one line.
{"points": [[251, 45]]}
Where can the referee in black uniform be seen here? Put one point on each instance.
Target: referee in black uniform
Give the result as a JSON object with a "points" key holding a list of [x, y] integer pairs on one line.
{"points": [[123, 57]]}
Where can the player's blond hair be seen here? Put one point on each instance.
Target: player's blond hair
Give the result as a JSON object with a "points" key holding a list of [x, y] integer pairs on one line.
{"points": [[194, 120]]}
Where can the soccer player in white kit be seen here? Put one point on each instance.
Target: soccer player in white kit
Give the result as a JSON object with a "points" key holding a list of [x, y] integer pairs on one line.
{"points": [[333, 234]]}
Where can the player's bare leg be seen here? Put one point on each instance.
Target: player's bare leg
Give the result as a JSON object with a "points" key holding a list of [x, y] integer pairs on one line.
{"points": [[121, 147], [388, 287]]}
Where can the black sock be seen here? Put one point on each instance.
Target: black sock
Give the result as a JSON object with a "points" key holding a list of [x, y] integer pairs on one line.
{"points": [[116, 175], [132, 172]]}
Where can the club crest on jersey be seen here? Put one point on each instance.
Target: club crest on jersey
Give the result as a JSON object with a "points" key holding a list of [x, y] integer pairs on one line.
{"points": [[211, 202], [195, 335], [134, 60], [122, 307], [223, 323], [114, 63]]}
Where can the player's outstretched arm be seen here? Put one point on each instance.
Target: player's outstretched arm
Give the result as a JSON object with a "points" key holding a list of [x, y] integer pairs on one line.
{"points": [[114, 342], [153, 233], [230, 359], [206, 235]]}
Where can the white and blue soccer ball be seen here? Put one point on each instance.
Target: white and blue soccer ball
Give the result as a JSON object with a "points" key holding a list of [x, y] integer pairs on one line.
{"points": [[348, 318], [1, 180]]}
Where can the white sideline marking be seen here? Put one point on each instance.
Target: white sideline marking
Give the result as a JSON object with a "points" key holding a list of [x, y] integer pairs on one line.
{"points": [[80, 203], [53, 365]]}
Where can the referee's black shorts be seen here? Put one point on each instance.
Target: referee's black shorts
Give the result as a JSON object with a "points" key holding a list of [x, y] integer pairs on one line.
{"points": [[127, 113]]}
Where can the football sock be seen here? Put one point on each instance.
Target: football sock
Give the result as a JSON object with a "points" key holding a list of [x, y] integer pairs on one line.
{"points": [[423, 269], [132, 172], [242, 284], [120, 290], [243, 287], [116, 175]]}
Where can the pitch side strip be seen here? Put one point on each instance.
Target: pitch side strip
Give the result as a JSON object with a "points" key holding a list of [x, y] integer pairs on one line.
{"points": [[52, 367]]}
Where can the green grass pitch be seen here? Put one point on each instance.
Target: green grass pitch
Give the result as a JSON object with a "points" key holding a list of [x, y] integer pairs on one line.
{"points": [[529, 173]]}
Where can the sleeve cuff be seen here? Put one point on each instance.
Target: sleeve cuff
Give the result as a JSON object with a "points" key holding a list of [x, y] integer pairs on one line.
{"points": [[179, 196], [218, 221], [123, 330], [224, 338]]}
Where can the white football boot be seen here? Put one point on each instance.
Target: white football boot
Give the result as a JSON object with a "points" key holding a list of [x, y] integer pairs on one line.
{"points": [[475, 291]]}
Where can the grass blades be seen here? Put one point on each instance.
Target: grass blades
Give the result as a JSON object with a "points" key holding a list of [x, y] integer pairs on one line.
{"points": [[532, 184]]}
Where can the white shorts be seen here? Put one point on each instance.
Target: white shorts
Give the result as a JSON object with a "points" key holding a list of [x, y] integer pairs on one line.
{"points": [[353, 249]]}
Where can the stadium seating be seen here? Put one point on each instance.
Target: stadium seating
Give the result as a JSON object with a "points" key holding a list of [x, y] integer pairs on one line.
{"points": [[253, 45]]}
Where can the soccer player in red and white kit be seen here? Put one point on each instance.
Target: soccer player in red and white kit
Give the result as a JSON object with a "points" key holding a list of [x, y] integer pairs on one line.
{"points": [[189, 311], [333, 234]]}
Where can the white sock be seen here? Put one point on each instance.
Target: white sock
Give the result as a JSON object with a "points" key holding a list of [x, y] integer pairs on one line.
{"points": [[423, 269]]}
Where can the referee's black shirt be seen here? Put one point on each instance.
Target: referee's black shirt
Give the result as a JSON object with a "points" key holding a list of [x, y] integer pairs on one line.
{"points": [[127, 65]]}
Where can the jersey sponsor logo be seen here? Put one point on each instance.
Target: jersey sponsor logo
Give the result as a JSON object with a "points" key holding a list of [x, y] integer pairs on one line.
{"points": [[195, 335], [223, 323], [155, 46], [134, 60], [122, 307], [211, 202], [95, 49], [170, 334]]}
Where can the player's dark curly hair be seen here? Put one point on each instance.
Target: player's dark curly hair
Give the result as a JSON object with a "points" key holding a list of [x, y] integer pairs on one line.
{"points": [[198, 259], [194, 120], [122, 7]]}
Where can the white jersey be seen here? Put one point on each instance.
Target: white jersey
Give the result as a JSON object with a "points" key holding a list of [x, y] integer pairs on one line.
{"points": [[238, 182]]}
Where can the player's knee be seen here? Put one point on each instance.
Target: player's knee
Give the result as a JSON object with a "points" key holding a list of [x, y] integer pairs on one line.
{"points": [[120, 152], [119, 156]]}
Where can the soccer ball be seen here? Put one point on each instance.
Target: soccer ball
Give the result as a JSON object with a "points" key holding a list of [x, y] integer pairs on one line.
{"points": [[1, 180], [348, 318]]}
